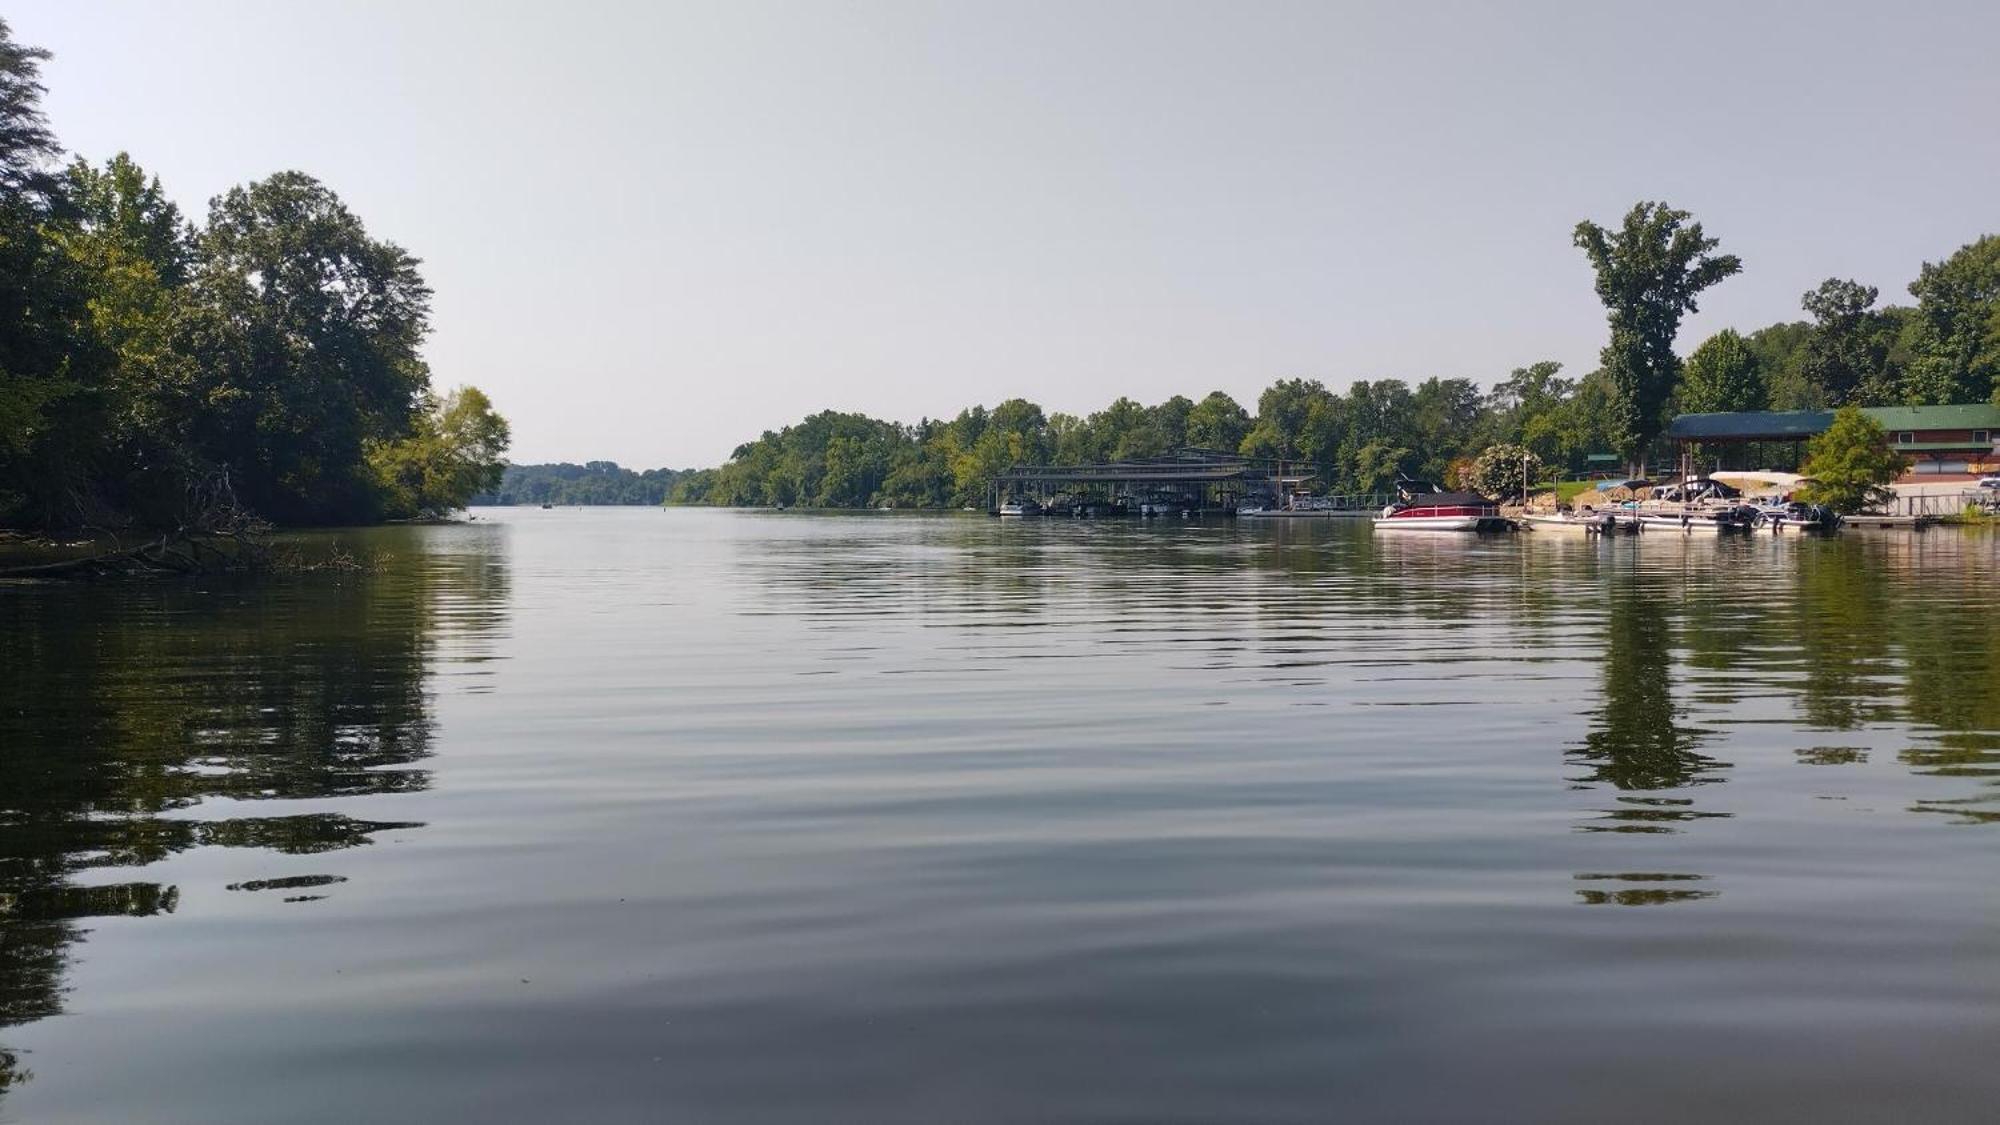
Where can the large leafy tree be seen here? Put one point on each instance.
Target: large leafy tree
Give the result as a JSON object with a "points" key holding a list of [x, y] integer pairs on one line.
{"points": [[311, 346], [1846, 359], [1850, 464], [1445, 417], [51, 367], [1780, 352], [1217, 422], [27, 146], [1528, 407], [1723, 375], [455, 450], [1956, 333], [1649, 272], [137, 250]]}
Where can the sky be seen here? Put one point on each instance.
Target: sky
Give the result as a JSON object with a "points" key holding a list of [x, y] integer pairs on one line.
{"points": [[656, 230]]}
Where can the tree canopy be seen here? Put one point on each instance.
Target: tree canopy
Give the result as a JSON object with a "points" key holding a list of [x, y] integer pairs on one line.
{"points": [[1358, 441], [1956, 332], [276, 348], [1723, 375], [1850, 463], [593, 483], [1649, 272]]}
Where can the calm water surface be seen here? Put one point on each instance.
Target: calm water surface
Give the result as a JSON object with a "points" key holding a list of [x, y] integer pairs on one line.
{"points": [[734, 817]]}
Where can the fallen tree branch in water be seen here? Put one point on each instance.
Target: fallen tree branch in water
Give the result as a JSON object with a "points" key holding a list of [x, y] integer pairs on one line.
{"points": [[216, 533]]}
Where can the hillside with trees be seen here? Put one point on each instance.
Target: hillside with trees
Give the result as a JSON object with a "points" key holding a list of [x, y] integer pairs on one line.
{"points": [[1649, 271], [590, 484], [268, 357]]}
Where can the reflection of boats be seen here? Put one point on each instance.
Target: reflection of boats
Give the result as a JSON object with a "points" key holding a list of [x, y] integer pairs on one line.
{"points": [[1442, 511], [1020, 506]]}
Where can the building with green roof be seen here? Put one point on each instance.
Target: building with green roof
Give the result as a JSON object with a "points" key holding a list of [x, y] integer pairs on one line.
{"points": [[1941, 442]]}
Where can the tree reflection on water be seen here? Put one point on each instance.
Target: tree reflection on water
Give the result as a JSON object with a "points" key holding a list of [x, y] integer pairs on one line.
{"points": [[131, 707], [1640, 742]]}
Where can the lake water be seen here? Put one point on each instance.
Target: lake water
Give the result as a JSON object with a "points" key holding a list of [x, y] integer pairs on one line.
{"points": [[739, 817]]}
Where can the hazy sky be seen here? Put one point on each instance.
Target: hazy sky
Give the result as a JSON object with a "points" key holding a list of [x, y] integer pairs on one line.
{"points": [[656, 230]]}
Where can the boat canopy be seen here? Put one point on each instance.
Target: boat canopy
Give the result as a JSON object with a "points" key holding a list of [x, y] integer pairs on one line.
{"points": [[1449, 500]]}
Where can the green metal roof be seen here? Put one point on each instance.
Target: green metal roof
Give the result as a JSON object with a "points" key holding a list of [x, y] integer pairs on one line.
{"points": [[1755, 425], [1967, 416], [1798, 425]]}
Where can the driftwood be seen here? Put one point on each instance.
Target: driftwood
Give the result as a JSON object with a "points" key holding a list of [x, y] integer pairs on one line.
{"points": [[215, 533], [177, 552]]}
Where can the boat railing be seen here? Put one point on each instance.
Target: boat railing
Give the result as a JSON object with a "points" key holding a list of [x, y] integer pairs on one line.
{"points": [[1449, 510]]}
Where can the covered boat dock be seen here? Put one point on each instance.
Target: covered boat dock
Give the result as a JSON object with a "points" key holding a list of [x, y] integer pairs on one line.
{"points": [[1189, 480]]}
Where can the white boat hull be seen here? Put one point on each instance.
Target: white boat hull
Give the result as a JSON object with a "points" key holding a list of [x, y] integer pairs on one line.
{"points": [[1562, 523], [1696, 525], [1429, 523]]}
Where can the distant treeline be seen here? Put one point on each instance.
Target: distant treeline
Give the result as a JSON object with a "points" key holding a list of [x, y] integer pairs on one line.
{"points": [[596, 482], [153, 370], [1649, 270]]}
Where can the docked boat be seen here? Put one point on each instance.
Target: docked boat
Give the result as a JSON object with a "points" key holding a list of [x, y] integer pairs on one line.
{"points": [[1793, 515], [1020, 506], [1442, 511], [1580, 523], [1688, 521]]}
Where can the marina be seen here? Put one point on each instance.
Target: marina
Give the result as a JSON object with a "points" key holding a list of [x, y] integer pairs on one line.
{"points": [[1190, 483]]}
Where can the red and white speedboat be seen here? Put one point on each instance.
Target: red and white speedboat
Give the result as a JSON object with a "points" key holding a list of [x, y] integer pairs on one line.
{"points": [[1442, 511]]}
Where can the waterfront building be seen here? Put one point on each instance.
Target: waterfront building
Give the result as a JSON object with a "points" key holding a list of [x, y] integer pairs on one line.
{"points": [[1941, 443]]}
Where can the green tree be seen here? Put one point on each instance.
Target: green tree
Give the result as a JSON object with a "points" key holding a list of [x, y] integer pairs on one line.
{"points": [[1649, 272], [455, 451], [1846, 358], [1721, 376], [1955, 337], [1281, 416], [131, 242], [1217, 422], [1375, 466], [1850, 463], [1779, 350], [51, 365], [310, 349], [26, 143], [1445, 416]]}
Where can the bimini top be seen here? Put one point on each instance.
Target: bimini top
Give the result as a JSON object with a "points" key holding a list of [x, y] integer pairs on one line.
{"points": [[1448, 500]]}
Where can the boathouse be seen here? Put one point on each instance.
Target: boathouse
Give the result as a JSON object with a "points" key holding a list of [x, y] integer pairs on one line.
{"points": [[1191, 478], [1942, 443]]}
